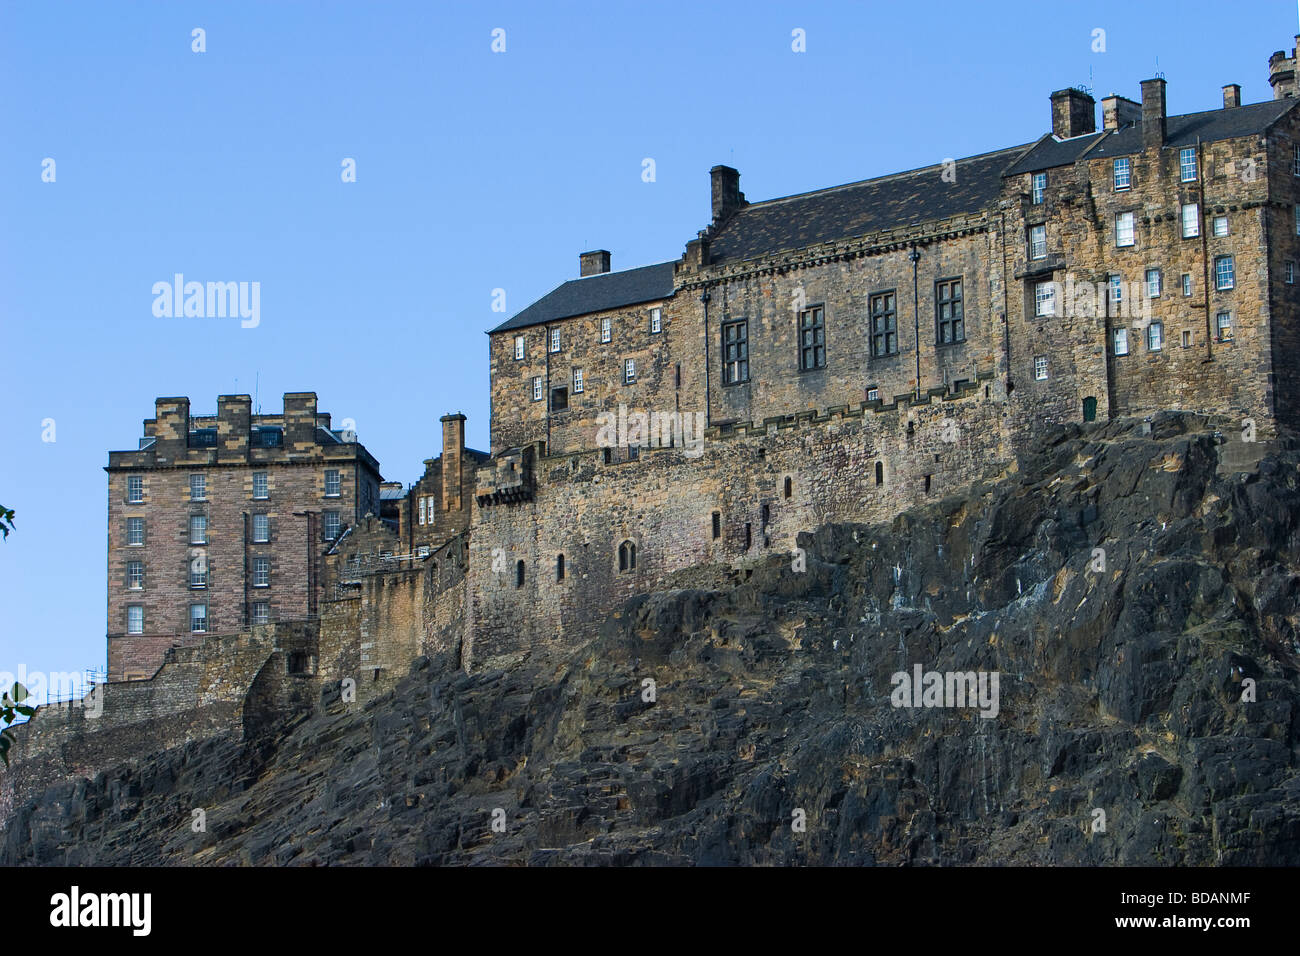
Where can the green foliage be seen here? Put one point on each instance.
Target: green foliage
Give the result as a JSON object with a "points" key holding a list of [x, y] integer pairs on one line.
{"points": [[11, 706]]}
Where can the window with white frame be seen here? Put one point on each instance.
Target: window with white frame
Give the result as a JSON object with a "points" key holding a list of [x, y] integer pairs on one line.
{"points": [[1040, 368], [261, 572], [1187, 283], [135, 489], [333, 483], [135, 619], [519, 347], [331, 525], [1155, 283], [428, 503], [198, 618], [1225, 276], [135, 531], [1187, 339], [629, 371], [421, 511], [261, 612], [1124, 233], [1290, 273], [1121, 341], [198, 529], [1155, 336], [1039, 188], [606, 325], [1187, 164], [537, 388], [1123, 173], [261, 528], [656, 321], [198, 487], [259, 485], [577, 380], [1038, 242], [1295, 160], [1220, 224], [1116, 289], [1297, 220], [1191, 220], [1044, 299], [135, 575], [555, 340], [199, 571], [873, 394], [1223, 322]]}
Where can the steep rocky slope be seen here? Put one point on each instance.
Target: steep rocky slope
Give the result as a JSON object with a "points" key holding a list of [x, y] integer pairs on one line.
{"points": [[1121, 734]]}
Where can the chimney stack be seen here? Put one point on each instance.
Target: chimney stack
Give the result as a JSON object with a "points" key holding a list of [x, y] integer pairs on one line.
{"points": [[727, 197], [1117, 111], [1153, 113], [453, 447], [1281, 73], [1231, 96], [593, 263], [1074, 113]]}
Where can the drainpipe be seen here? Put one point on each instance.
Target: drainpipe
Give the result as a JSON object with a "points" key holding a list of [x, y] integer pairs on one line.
{"points": [[708, 404], [916, 315]]}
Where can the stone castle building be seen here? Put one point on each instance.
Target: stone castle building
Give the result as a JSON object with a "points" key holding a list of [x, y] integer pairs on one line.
{"points": [[837, 355]]}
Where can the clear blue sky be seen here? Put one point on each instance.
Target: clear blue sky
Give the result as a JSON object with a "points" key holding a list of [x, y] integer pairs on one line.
{"points": [[475, 171]]}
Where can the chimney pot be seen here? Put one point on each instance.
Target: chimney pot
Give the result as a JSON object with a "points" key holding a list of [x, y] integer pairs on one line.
{"points": [[1118, 111], [1074, 113], [1153, 113], [593, 263], [1231, 96]]}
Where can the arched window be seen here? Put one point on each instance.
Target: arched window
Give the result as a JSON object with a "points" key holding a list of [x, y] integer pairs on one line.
{"points": [[789, 487], [627, 556], [559, 567], [880, 472], [519, 574]]}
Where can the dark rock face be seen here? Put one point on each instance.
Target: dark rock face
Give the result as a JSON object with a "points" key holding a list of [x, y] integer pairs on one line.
{"points": [[1125, 731]]}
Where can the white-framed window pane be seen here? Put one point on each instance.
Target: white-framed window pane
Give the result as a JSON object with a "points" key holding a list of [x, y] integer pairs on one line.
{"points": [[1040, 367], [1037, 242], [1187, 283], [261, 572], [1223, 323], [1044, 299], [421, 511], [519, 347], [1297, 220], [134, 619], [1224, 273], [629, 370], [1039, 187], [330, 525], [1155, 337], [1116, 289], [1290, 273], [261, 528], [1122, 173], [198, 571], [1191, 220], [428, 502], [1155, 283], [261, 612], [1121, 341], [135, 488], [333, 483], [1124, 235], [656, 321], [198, 618], [1295, 160], [259, 484], [1187, 164], [198, 487], [135, 575], [537, 388], [577, 380], [135, 531], [555, 340], [1220, 226], [873, 394], [605, 328], [198, 529]]}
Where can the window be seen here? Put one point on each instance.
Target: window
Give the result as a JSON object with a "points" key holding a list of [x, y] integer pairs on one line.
{"points": [[1039, 188], [1191, 220], [1290, 273], [198, 618], [629, 371], [261, 612], [261, 528], [1187, 339], [330, 525], [1040, 368], [555, 340], [198, 529], [949, 315], [559, 567], [880, 472], [1124, 229], [421, 511], [268, 436], [627, 556], [259, 485], [1223, 322], [1295, 160], [1187, 164], [717, 524], [1121, 341], [519, 347], [1297, 220], [1187, 283], [884, 324], [577, 380], [765, 516], [261, 572], [605, 330], [656, 321], [198, 487], [203, 438], [1155, 283], [135, 489], [333, 483], [789, 487], [873, 394], [1224, 275], [1220, 226], [428, 506], [1155, 336], [1038, 242], [735, 352], [537, 388], [1116, 291], [812, 339], [519, 574], [1123, 173], [135, 575], [135, 531], [559, 399], [1044, 299], [198, 571], [135, 619]]}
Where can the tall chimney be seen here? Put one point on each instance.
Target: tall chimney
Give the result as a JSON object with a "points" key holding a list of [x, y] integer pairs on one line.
{"points": [[453, 447], [1153, 113], [1074, 113], [1281, 73], [593, 263], [1117, 111], [727, 197], [1231, 96]]}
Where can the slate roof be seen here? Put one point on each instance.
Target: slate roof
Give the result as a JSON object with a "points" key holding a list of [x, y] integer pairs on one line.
{"points": [[609, 290], [841, 212], [1182, 130]]}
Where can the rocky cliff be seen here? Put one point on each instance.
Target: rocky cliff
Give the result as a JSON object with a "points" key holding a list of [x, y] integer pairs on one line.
{"points": [[1136, 600]]}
